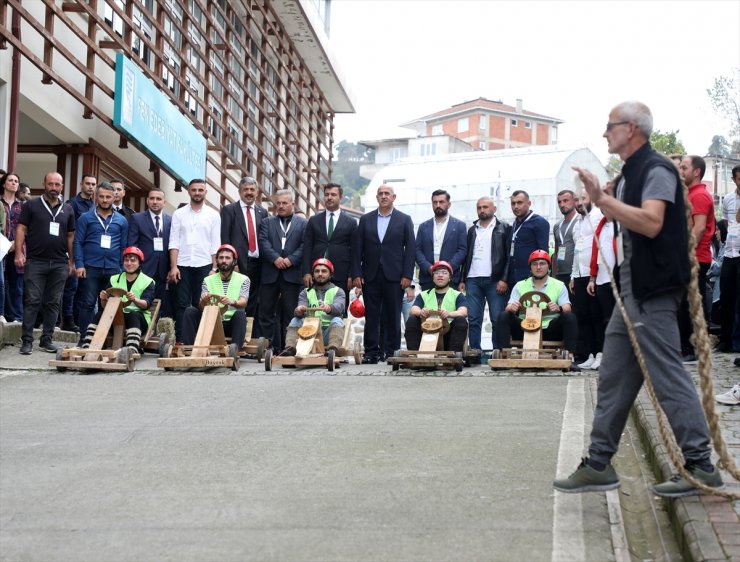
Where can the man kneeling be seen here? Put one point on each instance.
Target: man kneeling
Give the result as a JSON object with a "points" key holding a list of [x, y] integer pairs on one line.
{"points": [[558, 322], [231, 288], [139, 294], [324, 295], [450, 304]]}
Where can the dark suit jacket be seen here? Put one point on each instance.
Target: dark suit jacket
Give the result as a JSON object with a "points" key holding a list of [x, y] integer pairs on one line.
{"points": [[234, 230], [395, 254], [316, 244], [270, 236], [141, 234], [127, 213], [454, 248]]}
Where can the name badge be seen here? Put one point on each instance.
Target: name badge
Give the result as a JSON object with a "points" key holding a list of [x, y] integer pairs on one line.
{"points": [[158, 244], [53, 229], [105, 241], [282, 242], [620, 249], [561, 253], [511, 253]]}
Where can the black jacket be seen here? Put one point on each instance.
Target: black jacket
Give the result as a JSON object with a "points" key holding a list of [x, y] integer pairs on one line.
{"points": [[500, 248]]}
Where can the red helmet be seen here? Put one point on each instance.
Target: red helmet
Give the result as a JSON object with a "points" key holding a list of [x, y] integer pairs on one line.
{"points": [[357, 308], [135, 251], [228, 247], [438, 264], [325, 262], [539, 255]]}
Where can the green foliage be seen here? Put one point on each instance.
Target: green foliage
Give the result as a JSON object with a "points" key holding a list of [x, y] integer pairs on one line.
{"points": [[346, 170], [725, 98], [614, 166], [719, 147], [667, 143]]}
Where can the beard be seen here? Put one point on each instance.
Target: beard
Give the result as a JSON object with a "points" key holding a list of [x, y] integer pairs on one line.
{"points": [[226, 267]]}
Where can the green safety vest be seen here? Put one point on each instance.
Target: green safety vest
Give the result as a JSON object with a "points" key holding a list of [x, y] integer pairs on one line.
{"points": [[552, 290], [216, 287], [313, 301], [141, 282], [448, 302]]}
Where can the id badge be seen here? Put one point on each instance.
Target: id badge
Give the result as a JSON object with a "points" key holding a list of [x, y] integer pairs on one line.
{"points": [[53, 229], [105, 241], [561, 253], [282, 242], [158, 244], [620, 249], [511, 253]]}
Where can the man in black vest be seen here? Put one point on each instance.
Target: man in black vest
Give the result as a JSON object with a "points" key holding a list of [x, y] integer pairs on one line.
{"points": [[654, 273]]}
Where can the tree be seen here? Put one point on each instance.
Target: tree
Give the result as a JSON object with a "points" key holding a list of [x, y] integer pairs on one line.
{"points": [[725, 99], [719, 147], [667, 143]]}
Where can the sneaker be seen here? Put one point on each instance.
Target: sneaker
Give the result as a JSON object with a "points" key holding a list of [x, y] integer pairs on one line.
{"points": [[689, 359], [587, 479], [597, 362], [48, 346], [588, 362], [26, 348], [737, 362], [731, 397], [3, 320], [574, 368], [678, 486], [370, 360], [69, 325], [288, 351]]}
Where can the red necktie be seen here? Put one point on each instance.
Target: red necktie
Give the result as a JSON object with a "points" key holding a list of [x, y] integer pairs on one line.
{"points": [[250, 231]]}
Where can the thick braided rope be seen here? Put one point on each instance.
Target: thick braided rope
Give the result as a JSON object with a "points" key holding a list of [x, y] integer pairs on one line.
{"points": [[704, 367]]}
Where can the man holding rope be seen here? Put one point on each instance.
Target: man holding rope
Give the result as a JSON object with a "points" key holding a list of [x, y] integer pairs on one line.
{"points": [[654, 272]]}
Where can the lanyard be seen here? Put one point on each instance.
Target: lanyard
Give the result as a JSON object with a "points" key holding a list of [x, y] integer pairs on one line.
{"points": [[53, 215], [285, 230], [105, 226], [529, 216], [571, 222]]}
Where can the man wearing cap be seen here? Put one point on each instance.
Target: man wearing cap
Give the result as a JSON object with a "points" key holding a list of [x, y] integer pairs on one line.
{"points": [[324, 295], [449, 303], [558, 322], [231, 288], [139, 289]]}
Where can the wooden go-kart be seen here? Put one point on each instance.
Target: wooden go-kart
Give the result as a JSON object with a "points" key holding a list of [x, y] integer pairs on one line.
{"points": [[253, 348], [111, 329], [534, 353], [210, 348], [310, 350], [431, 354]]}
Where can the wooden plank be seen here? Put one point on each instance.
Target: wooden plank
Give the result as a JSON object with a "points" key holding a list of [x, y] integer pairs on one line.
{"points": [[206, 329], [529, 363], [154, 308], [99, 365], [429, 342], [198, 362]]}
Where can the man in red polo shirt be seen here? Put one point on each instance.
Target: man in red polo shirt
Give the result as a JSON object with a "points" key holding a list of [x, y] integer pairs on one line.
{"points": [[692, 170]]}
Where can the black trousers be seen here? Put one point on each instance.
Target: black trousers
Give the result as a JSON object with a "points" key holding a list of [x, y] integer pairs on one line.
{"points": [[564, 327], [382, 316], [254, 272], [685, 326], [188, 292], [591, 326], [235, 327], [454, 340], [277, 303], [729, 284], [43, 292]]}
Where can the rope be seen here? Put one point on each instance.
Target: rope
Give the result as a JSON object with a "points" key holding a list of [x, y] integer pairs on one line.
{"points": [[702, 347]]}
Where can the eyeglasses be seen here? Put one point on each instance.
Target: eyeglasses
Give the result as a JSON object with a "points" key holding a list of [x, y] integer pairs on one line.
{"points": [[610, 126]]}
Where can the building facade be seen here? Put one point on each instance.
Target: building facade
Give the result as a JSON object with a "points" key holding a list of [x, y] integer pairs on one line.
{"points": [[233, 87], [489, 125]]}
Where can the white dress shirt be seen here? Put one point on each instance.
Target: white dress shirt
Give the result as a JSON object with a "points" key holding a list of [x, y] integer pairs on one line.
{"points": [[196, 234]]}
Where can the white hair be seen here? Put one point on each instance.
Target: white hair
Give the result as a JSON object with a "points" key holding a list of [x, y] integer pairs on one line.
{"points": [[639, 113]]}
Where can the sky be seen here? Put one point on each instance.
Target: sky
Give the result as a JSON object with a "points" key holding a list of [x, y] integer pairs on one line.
{"points": [[404, 59]]}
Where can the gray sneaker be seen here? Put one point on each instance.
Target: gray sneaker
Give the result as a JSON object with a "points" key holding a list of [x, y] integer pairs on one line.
{"points": [[588, 479], [678, 486], [48, 346]]}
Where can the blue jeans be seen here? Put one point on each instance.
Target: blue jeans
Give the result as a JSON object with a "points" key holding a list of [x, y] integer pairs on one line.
{"points": [[14, 289], [96, 279], [478, 291]]}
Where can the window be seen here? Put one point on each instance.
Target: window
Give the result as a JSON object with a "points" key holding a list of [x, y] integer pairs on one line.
{"points": [[514, 122], [483, 124], [396, 154], [553, 135], [463, 125], [527, 124], [482, 145], [437, 130], [428, 149]]}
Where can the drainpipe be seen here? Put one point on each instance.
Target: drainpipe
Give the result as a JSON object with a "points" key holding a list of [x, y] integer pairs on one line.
{"points": [[15, 87]]}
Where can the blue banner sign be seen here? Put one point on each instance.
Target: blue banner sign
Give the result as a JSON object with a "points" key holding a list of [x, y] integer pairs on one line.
{"points": [[147, 116]]}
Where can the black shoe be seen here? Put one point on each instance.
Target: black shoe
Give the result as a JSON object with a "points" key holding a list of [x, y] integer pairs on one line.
{"points": [[48, 346], [737, 361], [26, 348], [289, 351], [370, 360], [722, 348], [69, 325], [574, 368], [689, 359]]}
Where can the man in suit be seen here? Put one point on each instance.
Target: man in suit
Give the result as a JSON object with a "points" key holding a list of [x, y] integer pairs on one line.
{"points": [[240, 223], [383, 266], [281, 249], [150, 232], [329, 234], [119, 190], [442, 238]]}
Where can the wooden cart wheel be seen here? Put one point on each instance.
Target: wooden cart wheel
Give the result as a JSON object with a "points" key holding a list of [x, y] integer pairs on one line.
{"points": [[260, 349], [125, 356], [233, 352], [357, 352], [60, 357], [162, 342], [330, 356], [458, 362], [165, 351], [268, 360], [534, 298], [496, 354], [564, 354]]}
